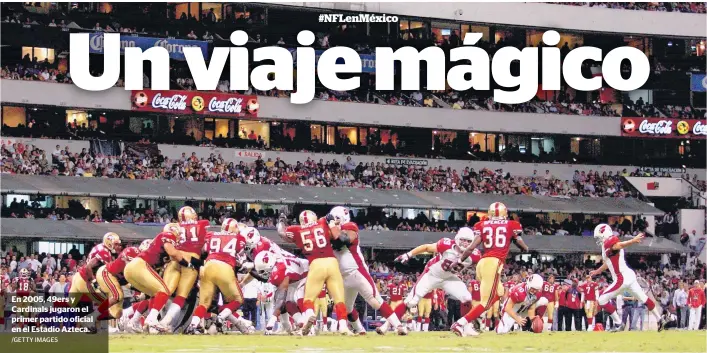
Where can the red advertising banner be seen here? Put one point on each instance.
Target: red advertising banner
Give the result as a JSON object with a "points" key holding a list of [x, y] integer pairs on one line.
{"points": [[196, 102], [664, 128]]}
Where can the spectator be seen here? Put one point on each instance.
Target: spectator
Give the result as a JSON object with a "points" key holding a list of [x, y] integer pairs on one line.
{"points": [[680, 304]]}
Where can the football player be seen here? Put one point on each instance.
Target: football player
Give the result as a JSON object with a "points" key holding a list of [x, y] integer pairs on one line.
{"points": [[357, 279], [219, 273], [624, 279], [496, 235], [523, 299], [141, 274], [314, 236], [181, 278], [550, 292], [589, 296], [110, 280], [442, 271], [84, 282]]}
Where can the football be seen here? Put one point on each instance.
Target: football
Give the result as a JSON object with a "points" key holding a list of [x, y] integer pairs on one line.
{"points": [[538, 324]]}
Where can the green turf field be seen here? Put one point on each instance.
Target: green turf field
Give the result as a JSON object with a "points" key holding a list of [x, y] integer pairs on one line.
{"points": [[432, 342]]}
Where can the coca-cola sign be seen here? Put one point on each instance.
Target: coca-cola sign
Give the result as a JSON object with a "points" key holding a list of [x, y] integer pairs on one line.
{"points": [[193, 102], [664, 128]]}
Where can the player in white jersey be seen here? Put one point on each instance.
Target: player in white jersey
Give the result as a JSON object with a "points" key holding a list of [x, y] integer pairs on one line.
{"points": [[289, 277], [442, 271], [357, 279], [524, 301], [624, 279]]}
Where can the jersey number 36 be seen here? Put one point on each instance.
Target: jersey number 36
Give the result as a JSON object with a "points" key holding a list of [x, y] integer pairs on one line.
{"points": [[497, 240]]}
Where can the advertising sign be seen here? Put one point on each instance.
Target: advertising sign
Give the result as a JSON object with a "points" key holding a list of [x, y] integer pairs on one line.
{"points": [[664, 128], [196, 102]]}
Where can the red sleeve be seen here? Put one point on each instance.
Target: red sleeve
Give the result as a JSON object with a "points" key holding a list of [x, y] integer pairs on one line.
{"points": [[350, 226], [611, 242], [202, 224], [477, 229], [518, 295], [475, 256], [444, 244], [515, 228], [292, 232], [168, 238], [105, 256]]}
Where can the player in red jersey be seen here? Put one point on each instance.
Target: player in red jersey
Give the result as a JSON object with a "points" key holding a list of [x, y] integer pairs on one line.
{"points": [[141, 274], [589, 290], [110, 280], [443, 270], [396, 292], [84, 282], [624, 279], [523, 299], [550, 292], [219, 273], [289, 277], [181, 279], [357, 279], [314, 238], [24, 287], [496, 235]]}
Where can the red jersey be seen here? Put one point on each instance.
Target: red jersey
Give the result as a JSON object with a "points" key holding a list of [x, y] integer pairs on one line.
{"points": [[25, 287], [287, 268], [497, 236], [153, 254], [396, 291], [573, 299], [561, 301], [549, 290], [117, 266], [589, 289], [475, 289], [193, 236], [314, 241], [102, 256], [522, 301], [695, 297], [226, 247]]}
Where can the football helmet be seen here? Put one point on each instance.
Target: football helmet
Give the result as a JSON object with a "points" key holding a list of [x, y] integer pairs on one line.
{"points": [[230, 225], [145, 244], [465, 236], [498, 210], [252, 237], [24, 273], [111, 241], [187, 214], [602, 232], [173, 228], [307, 218], [535, 282], [341, 214], [264, 263]]}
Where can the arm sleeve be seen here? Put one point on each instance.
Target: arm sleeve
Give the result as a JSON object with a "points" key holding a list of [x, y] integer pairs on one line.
{"points": [[291, 232], [444, 244]]}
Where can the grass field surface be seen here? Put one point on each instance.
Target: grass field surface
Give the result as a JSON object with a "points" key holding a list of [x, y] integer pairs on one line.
{"points": [[669, 341]]}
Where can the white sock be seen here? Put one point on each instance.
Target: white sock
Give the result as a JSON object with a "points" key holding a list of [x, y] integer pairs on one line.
{"points": [[271, 321], [298, 318], [616, 318], [195, 320], [358, 326], [462, 321], [136, 318], [285, 321], [343, 323], [171, 312], [233, 319], [425, 327], [127, 313], [152, 317], [393, 320], [223, 315], [386, 325], [656, 313]]}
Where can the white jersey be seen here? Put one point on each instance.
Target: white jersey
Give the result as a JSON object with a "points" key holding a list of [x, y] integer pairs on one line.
{"points": [[448, 253], [616, 261], [351, 259]]}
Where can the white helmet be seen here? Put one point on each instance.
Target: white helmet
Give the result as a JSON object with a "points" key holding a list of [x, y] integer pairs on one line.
{"points": [[252, 237], [535, 282], [145, 244], [24, 273], [465, 236], [307, 218], [602, 232], [341, 214], [264, 263]]}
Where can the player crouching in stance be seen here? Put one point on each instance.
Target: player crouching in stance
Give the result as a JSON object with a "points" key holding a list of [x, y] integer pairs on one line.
{"points": [[357, 280], [523, 298], [110, 280], [624, 279], [141, 274], [219, 272], [441, 271]]}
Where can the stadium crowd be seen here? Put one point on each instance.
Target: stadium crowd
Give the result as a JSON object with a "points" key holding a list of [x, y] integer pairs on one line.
{"points": [[685, 7], [20, 159]]}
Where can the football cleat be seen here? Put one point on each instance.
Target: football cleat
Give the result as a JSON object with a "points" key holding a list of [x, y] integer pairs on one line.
{"points": [[661, 324], [457, 329], [345, 331], [617, 328], [381, 330], [401, 330], [308, 325]]}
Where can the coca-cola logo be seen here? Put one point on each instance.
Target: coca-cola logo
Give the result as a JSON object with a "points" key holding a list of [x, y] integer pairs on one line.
{"points": [[662, 127], [230, 105], [699, 128], [173, 102]]}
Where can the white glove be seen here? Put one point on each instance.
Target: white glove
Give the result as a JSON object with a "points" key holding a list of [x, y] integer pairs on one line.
{"points": [[247, 266], [404, 258]]}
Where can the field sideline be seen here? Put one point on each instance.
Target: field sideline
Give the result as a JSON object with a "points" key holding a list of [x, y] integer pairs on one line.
{"points": [[432, 342]]}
